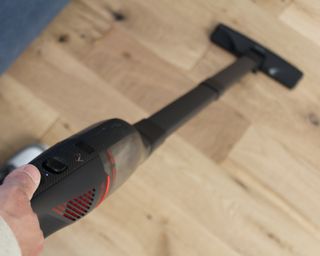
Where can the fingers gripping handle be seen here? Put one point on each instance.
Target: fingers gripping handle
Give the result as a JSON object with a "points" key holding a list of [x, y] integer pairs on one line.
{"points": [[26, 177]]}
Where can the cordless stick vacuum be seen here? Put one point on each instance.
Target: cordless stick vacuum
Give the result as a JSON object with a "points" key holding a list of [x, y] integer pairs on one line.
{"points": [[81, 171]]}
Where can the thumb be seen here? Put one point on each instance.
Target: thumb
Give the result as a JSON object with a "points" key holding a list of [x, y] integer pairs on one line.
{"points": [[26, 177]]}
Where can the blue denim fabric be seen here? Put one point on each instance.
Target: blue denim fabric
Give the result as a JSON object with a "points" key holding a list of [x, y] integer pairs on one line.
{"points": [[20, 22]]}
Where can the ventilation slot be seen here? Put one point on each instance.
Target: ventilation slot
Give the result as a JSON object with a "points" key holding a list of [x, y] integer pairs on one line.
{"points": [[80, 206]]}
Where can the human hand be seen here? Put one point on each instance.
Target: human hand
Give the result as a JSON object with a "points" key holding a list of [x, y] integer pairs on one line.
{"points": [[15, 208]]}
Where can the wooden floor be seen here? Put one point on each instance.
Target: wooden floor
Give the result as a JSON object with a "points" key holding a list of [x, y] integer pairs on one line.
{"points": [[242, 178]]}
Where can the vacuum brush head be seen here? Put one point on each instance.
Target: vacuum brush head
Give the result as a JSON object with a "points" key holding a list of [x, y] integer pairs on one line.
{"points": [[272, 65]]}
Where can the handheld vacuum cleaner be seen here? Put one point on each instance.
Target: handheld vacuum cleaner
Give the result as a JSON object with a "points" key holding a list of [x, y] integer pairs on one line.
{"points": [[80, 172]]}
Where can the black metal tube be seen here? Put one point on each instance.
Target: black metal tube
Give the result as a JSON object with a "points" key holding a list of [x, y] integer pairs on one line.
{"points": [[166, 121], [226, 78]]}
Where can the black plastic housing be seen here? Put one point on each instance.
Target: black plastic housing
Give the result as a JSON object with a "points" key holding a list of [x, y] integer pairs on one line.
{"points": [[91, 165]]}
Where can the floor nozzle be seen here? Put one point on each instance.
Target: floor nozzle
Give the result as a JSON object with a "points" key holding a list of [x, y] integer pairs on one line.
{"points": [[273, 65]]}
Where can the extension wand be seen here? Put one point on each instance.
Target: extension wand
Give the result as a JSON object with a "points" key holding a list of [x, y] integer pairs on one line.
{"points": [[81, 171]]}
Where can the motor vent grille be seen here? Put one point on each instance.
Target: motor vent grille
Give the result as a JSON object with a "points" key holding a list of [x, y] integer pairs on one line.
{"points": [[78, 207]]}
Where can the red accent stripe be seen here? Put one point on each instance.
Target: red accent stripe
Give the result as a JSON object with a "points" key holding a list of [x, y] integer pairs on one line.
{"points": [[75, 210], [88, 197], [57, 211], [110, 157], [114, 173], [81, 203], [78, 206], [69, 217], [113, 163], [85, 200], [106, 191], [61, 207], [72, 213]]}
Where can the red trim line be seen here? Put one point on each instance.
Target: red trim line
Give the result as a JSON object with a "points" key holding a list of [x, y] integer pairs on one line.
{"points": [[57, 211], [84, 199], [113, 165], [81, 203], [75, 210], [61, 208], [106, 191], [78, 206]]}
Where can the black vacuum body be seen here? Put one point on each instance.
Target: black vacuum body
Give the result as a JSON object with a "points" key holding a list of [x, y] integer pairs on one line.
{"points": [[81, 171]]}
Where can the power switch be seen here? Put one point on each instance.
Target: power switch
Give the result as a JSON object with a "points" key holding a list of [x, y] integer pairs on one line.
{"points": [[53, 165]]}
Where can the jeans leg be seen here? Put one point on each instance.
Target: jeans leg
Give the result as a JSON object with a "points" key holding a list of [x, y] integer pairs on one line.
{"points": [[20, 22]]}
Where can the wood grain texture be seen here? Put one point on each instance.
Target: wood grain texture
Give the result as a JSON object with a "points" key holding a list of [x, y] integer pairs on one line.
{"points": [[24, 117], [275, 7], [241, 178], [303, 16]]}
